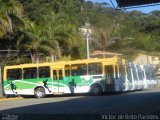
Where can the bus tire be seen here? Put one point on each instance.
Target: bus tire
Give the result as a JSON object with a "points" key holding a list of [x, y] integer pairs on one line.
{"points": [[39, 92], [96, 89]]}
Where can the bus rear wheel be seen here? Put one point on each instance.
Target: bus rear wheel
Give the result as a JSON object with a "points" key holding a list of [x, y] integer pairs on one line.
{"points": [[39, 92], [96, 90]]}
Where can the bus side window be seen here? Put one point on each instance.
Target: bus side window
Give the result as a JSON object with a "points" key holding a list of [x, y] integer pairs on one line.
{"points": [[14, 74], [30, 73], [94, 68], [67, 70], [55, 74], [82, 69], [74, 70], [79, 69], [129, 74], [140, 74], [60, 75], [134, 73], [44, 72], [122, 72]]}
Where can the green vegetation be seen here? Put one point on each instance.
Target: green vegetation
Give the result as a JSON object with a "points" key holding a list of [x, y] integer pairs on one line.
{"points": [[41, 29]]}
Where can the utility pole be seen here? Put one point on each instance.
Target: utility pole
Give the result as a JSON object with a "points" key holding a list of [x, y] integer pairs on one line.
{"points": [[86, 32], [87, 41]]}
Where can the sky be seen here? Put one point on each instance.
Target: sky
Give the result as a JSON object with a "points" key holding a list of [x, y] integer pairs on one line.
{"points": [[142, 9]]}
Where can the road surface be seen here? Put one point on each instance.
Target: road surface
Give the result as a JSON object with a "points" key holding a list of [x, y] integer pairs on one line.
{"points": [[132, 105]]}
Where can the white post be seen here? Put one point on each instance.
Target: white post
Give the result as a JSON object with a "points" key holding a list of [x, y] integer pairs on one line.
{"points": [[87, 45], [86, 32]]}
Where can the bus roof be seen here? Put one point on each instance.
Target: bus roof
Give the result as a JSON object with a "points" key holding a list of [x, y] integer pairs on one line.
{"points": [[83, 61]]}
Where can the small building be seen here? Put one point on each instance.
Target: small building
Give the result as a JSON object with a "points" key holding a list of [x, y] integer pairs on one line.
{"points": [[103, 54], [144, 59]]}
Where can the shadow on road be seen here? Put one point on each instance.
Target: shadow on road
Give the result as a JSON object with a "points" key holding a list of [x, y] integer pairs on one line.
{"points": [[76, 94], [89, 107]]}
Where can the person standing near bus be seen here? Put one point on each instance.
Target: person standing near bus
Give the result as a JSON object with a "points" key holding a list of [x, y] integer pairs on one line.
{"points": [[72, 86]]}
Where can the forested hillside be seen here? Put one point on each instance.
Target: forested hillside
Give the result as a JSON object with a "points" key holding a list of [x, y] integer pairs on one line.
{"points": [[41, 29]]}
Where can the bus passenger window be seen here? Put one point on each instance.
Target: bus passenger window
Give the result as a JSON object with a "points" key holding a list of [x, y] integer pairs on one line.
{"points": [[74, 70], [67, 70], [55, 74], [82, 69], [44, 72], [94, 68], [129, 74], [79, 69], [134, 73], [122, 72], [30, 73], [140, 74], [60, 75], [14, 74]]}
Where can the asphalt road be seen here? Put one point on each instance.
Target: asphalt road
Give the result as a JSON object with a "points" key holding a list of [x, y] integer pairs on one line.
{"points": [[107, 106]]}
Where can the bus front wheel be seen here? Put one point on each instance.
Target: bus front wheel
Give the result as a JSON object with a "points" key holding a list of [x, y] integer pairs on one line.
{"points": [[96, 90], [39, 92]]}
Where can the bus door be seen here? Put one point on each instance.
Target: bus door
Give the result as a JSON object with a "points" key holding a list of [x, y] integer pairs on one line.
{"points": [[109, 75], [58, 80]]}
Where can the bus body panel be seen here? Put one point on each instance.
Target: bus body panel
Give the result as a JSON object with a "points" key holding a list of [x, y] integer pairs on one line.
{"points": [[115, 75]]}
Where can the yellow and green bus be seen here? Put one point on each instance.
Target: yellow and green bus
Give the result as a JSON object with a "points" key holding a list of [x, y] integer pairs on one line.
{"points": [[80, 76]]}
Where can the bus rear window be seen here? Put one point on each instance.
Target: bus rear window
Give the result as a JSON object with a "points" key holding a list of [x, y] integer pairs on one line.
{"points": [[14, 74], [44, 72], [30, 73], [94, 68]]}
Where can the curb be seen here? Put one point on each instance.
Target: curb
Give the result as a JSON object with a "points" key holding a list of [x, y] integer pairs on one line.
{"points": [[7, 99]]}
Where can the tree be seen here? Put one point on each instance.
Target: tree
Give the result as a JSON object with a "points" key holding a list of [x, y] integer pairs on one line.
{"points": [[145, 42], [52, 28], [102, 38], [8, 9]]}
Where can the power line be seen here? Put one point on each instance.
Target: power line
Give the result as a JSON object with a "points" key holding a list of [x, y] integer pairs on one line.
{"points": [[112, 4]]}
